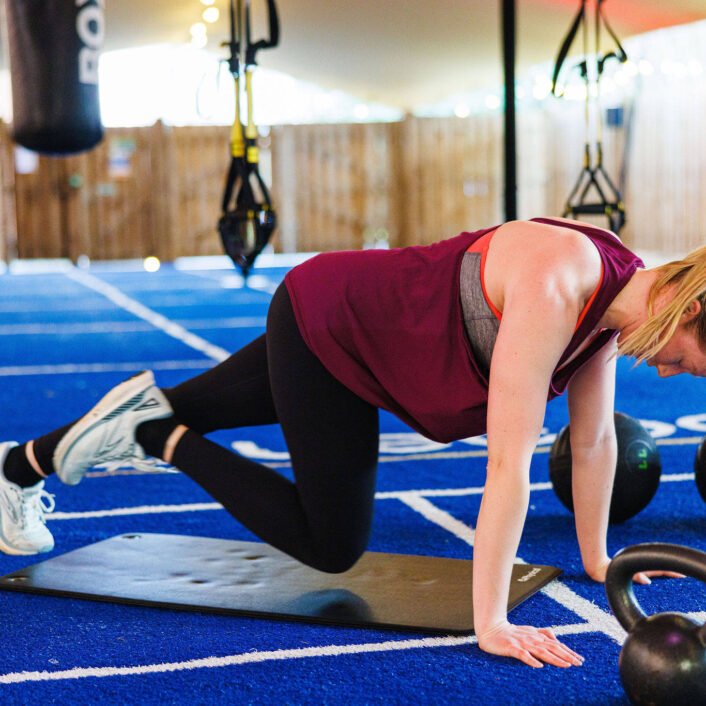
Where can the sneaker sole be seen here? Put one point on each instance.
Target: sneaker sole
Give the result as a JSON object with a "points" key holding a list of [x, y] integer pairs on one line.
{"points": [[14, 551], [121, 396]]}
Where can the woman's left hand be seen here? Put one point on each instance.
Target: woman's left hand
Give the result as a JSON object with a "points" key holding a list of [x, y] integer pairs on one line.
{"points": [[643, 577]]}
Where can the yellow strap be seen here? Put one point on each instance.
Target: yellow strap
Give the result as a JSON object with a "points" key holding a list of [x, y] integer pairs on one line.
{"points": [[250, 129], [237, 141]]}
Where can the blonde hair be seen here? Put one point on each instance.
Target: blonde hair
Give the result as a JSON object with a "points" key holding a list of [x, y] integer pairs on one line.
{"points": [[688, 278]]}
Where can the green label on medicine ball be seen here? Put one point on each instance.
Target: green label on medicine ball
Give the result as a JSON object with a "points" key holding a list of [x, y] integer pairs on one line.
{"points": [[637, 455]]}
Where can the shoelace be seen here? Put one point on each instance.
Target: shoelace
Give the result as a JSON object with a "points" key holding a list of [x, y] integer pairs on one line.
{"points": [[35, 506]]}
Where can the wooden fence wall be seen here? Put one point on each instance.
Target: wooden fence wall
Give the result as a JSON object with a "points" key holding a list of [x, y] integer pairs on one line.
{"points": [[8, 216], [157, 190], [334, 185], [142, 191]]}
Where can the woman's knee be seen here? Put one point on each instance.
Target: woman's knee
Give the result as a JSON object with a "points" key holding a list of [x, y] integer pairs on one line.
{"points": [[338, 559]]}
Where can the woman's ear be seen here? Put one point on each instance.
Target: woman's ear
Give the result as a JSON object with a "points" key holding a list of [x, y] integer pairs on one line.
{"points": [[692, 311]]}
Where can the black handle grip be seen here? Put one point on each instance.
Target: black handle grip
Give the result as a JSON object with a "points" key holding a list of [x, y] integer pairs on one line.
{"points": [[647, 557]]}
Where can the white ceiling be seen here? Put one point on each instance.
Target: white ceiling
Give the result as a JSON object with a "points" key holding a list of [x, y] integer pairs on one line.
{"points": [[404, 53]]}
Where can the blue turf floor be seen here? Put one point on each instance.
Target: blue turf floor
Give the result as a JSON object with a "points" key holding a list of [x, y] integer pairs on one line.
{"points": [[69, 336]]}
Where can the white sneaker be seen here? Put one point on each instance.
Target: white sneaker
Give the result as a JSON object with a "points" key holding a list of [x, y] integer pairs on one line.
{"points": [[22, 510], [107, 432]]}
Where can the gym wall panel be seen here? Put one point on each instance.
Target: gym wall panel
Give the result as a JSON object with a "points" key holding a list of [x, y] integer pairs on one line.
{"points": [[8, 217], [667, 168], [334, 185], [143, 191], [451, 168], [157, 190], [195, 170], [551, 145], [96, 203], [667, 187]]}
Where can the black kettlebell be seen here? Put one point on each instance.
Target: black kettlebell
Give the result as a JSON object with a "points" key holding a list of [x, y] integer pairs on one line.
{"points": [[663, 660]]}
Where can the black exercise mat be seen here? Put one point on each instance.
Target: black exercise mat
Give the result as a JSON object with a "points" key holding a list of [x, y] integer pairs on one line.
{"points": [[421, 593]]}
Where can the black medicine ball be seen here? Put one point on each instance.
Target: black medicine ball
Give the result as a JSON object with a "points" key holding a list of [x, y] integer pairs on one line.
{"points": [[637, 472]]}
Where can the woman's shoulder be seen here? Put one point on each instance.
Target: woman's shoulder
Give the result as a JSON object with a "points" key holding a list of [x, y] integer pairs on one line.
{"points": [[532, 258], [548, 244]]}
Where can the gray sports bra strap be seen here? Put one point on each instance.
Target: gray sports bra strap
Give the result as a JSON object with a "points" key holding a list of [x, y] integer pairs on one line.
{"points": [[480, 322]]}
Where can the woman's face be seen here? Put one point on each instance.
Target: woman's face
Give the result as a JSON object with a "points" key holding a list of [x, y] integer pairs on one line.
{"points": [[682, 354]]}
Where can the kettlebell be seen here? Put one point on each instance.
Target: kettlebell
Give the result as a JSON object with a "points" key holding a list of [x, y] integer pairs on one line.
{"points": [[663, 660]]}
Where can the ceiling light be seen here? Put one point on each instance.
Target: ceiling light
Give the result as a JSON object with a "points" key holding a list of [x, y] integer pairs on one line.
{"points": [[695, 67], [543, 87], [151, 264], [211, 14], [577, 91], [361, 111], [462, 110], [646, 68], [608, 85], [198, 30], [199, 41], [207, 2], [631, 68]]}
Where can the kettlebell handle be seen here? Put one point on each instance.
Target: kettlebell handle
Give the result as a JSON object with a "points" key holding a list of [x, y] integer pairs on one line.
{"points": [[653, 556]]}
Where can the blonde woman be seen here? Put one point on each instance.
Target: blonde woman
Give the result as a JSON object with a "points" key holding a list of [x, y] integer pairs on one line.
{"points": [[463, 337]]}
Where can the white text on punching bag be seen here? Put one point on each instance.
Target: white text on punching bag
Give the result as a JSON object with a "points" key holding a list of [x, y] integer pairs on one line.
{"points": [[90, 26]]}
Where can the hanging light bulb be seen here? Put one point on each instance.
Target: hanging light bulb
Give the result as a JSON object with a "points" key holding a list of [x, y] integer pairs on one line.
{"points": [[211, 15]]}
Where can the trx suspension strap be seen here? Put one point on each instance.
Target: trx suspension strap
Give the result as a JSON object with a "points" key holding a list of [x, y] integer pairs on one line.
{"points": [[594, 193], [248, 219]]}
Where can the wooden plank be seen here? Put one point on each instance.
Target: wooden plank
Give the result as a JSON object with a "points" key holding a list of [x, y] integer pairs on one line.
{"points": [[8, 215]]}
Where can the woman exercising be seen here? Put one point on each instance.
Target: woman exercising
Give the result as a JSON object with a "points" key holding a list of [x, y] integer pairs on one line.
{"points": [[466, 336]]}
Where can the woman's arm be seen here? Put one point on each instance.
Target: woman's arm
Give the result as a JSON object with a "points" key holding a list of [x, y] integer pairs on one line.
{"points": [[540, 308], [593, 461], [591, 397]]}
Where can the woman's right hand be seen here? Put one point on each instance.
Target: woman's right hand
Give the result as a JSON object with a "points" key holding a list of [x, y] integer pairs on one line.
{"points": [[533, 646]]}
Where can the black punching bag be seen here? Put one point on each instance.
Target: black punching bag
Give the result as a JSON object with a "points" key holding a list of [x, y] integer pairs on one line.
{"points": [[54, 48]]}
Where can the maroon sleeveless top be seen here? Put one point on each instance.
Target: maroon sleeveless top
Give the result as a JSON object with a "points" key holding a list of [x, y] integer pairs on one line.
{"points": [[388, 324]]}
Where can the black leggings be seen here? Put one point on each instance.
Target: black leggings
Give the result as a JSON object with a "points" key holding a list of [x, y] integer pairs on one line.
{"points": [[323, 519]]}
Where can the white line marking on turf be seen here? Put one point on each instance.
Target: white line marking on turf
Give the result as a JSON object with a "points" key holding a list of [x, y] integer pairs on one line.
{"points": [[478, 490], [599, 620], [138, 510], [233, 280], [75, 368], [676, 477], [415, 499], [262, 656], [483, 453], [141, 311], [680, 441], [438, 516], [445, 492], [107, 327], [43, 305]]}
